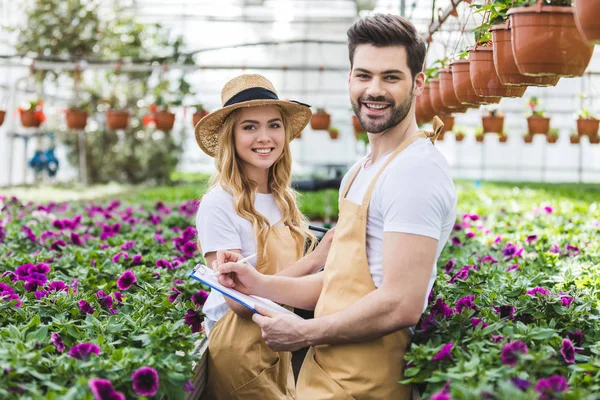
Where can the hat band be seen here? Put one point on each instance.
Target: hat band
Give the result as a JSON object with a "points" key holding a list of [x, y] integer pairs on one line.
{"points": [[254, 93]]}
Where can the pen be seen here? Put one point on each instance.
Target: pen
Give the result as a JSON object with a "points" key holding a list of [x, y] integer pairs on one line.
{"points": [[318, 228], [243, 260]]}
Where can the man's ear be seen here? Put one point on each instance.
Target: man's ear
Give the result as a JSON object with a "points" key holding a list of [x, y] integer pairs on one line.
{"points": [[419, 84], [349, 75]]}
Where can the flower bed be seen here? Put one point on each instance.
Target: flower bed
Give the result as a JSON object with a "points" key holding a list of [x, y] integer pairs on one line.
{"points": [[515, 311], [95, 300]]}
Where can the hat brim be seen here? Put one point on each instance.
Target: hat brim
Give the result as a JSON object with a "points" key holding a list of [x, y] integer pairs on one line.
{"points": [[207, 129]]}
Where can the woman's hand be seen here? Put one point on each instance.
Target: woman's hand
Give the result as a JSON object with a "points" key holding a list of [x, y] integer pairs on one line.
{"points": [[320, 253], [241, 277]]}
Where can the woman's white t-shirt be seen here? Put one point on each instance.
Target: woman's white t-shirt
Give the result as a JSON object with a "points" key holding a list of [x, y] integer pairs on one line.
{"points": [[221, 228]]}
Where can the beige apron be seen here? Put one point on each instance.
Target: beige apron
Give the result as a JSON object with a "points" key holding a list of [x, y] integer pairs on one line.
{"points": [[367, 370], [240, 364]]}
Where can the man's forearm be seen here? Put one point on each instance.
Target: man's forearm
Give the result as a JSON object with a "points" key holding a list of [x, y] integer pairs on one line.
{"points": [[300, 292], [375, 315]]}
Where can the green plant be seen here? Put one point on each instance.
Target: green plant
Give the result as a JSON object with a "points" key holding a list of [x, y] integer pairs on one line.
{"points": [[585, 113], [479, 131], [553, 132], [321, 110], [534, 107]]}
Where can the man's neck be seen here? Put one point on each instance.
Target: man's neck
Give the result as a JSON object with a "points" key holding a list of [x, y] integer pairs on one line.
{"points": [[386, 142]]}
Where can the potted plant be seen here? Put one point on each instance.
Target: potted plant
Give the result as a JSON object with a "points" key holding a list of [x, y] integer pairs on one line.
{"points": [[159, 116], [545, 39], [587, 21], [321, 120], [493, 122], [425, 103], [537, 122], [502, 137], [552, 136], [2, 115], [116, 118], [459, 136], [479, 135], [32, 115], [77, 116], [463, 87], [587, 123], [594, 139], [334, 133], [574, 138], [199, 113], [528, 138], [358, 129], [448, 121]]}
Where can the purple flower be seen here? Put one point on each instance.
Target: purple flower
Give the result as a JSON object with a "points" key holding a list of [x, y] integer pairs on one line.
{"points": [[189, 387], [462, 274], [30, 235], [470, 234], [497, 338], [444, 353], [548, 209], [449, 266], [118, 256], [465, 302], [102, 389], [126, 280], [57, 342], [58, 224], [118, 297], [505, 311], [40, 294], [46, 235], [77, 240], [22, 271], [175, 294], [113, 205], [566, 300], [85, 307], [550, 386], [521, 384], [576, 337], [189, 249], [568, 351], [161, 263], [57, 286], [554, 249], [193, 320], [42, 268], [511, 251], [145, 381], [473, 217], [137, 259], [199, 298], [440, 308], [513, 267], [188, 233], [159, 238], [37, 278], [155, 219], [540, 290], [127, 245], [456, 241], [428, 323], [58, 244], [572, 250], [9, 295], [83, 351], [477, 321], [511, 351], [489, 259]]}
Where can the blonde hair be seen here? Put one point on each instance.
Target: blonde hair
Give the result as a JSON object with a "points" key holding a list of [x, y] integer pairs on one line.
{"points": [[231, 177]]}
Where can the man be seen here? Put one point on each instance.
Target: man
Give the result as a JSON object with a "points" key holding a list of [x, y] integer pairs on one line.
{"points": [[397, 209]]}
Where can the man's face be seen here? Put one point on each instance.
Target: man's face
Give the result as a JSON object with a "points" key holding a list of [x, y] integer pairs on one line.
{"points": [[381, 86]]}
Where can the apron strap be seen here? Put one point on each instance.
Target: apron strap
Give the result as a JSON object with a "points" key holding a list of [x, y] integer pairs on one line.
{"points": [[352, 177], [438, 126]]}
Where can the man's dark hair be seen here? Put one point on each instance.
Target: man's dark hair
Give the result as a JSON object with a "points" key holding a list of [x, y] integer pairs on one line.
{"points": [[382, 30]]}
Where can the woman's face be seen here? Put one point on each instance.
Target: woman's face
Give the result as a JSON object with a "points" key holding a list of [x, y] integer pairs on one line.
{"points": [[259, 137]]}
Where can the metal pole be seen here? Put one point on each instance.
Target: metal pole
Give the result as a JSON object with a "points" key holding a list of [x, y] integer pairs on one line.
{"points": [[82, 158]]}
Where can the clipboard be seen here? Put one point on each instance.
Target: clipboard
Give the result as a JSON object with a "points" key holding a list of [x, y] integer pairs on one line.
{"points": [[205, 275]]}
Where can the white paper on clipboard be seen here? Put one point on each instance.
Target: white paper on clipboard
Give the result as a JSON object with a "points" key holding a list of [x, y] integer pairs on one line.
{"points": [[205, 275]]}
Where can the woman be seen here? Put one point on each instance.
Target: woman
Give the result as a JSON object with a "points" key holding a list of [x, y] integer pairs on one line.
{"points": [[251, 209]]}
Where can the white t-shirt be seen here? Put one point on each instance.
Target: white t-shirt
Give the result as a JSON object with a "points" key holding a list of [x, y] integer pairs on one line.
{"points": [[221, 228], [414, 194]]}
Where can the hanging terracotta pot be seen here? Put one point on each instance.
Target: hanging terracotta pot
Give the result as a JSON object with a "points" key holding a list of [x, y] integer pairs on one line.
{"points": [[436, 97], [574, 139], [320, 121], [333, 133], [448, 121], [484, 77], [196, 117], [426, 109], [461, 79], [76, 119], [538, 125], [504, 61], [459, 136], [29, 119], [117, 119], [546, 41], [551, 139], [594, 139], [492, 124], [2, 115], [528, 138], [358, 129], [587, 126], [502, 138], [448, 95], [587, 19], [164, 120], [479, 138]]}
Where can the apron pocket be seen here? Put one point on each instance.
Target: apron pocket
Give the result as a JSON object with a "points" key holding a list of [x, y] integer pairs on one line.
{"points": [[264, 386], [318, 385]]}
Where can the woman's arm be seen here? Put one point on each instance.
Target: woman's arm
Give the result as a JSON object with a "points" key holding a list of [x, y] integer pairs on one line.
{"points": [[236, 307]]}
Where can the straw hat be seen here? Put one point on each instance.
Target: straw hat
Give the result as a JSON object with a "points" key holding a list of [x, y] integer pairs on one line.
{"points": [[248, 90]]}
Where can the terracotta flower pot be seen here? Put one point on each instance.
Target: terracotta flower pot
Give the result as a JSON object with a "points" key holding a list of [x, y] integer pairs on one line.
{"points": [[595, 139], [528, 138], [492, 124], [574, 139], [117, 119], [551, 139], [29, 119], [358, 129], [2, 115], [436, 98], [587, 19], [538, 125], [504, 61], [546, 41], [502, 138], [479, 138], [447, 94], [76, 119], [484, 77], [196, 117], [440, 137], [461, 79], [448, 121], [426, 109], [459, 137], [320, 121], [333, 133], [164, 120], [587, 126]]}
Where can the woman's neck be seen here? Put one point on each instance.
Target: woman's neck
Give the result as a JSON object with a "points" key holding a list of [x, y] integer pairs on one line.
{"points": [[260, 177]]}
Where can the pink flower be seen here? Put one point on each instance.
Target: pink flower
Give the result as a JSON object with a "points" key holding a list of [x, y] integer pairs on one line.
{"points": [[456, 241], [449, 266], [57, 342], [444, 353], [478, 321], [102, 389], [199, 298], [119, 255], [193, 320], [513, 267], [127, 245], [145, 381]]}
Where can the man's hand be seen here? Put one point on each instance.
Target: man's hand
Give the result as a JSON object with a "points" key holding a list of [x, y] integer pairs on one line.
{"points": [[280, 332]]}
